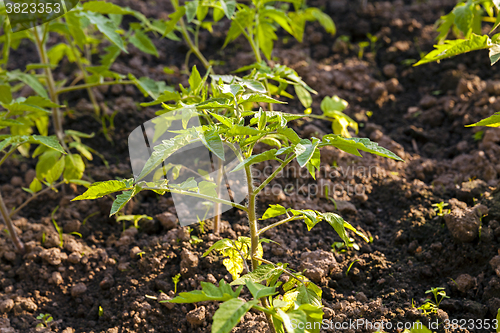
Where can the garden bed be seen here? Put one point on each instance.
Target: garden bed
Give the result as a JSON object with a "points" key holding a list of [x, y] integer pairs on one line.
{"points": [[98, 283]]}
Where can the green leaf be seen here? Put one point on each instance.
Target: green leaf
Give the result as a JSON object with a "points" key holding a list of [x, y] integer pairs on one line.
{"points": [[195, 80], [209, 292], [103, 7], [310, 217], [266, 36], [228, 7], [452, 48], [214, 103], [143, 43], [333, 103], [122, 199], [107, 28], [265, 156], [290, 134], [273, 211], [294, 321], [174, 18], [100, 189], [207, 188], [258, 290], [356, 231], [148, 87], [258, 98], [463, 17], [48, 141], [494, 54], [337, 223], [5, 94], [309, 295], [445, 24], [74, 167], [305, 150], [325, 20], [230, 313], [231, 89], [304, 96], [41, 102], [191, 8], [243, 19], [352, 145], [224, 120], [211, 139], [219, 246], [166, 149], [55, 172], [254, 85], [164, 97], [492, 121], [242, 130], [498, 320], [35, 185], [261, 273], [29, 80], [314, 315], [73, 22]]}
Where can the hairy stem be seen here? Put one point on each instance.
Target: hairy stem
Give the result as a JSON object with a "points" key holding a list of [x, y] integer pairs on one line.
{"points": [[254, 237], [10, 227], [85, 76], [201, 196], [217, 206], [269, 227], [51, 86]]}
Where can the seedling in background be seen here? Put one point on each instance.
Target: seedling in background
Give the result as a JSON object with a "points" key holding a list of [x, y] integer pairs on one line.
{"points": [[101, 311], [439, 209], [432, 306], [58, 229], [175, 280], [45, 319], [362, 46], [134, 218]]}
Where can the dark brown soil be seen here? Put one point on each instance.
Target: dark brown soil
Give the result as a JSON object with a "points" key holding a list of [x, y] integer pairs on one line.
{"points": [[419, 113]]}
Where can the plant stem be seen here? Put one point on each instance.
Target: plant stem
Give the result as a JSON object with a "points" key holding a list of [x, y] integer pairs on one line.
{"points": [[217, 206], [91, 85], [84, 74], [45, 190], [269, 227], [254, 236], [51, 86], [10, 227], [201, 196]]}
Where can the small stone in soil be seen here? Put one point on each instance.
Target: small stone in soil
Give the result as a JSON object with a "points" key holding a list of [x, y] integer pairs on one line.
{"points": [[197, 316], [78, 289], [6, 306]]}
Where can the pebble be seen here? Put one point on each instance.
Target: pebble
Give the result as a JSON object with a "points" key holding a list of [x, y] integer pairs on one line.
{"points": [[78, 289], [6, 306], [197, 316]]}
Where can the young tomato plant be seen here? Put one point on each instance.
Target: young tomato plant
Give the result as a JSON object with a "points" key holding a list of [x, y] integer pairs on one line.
{"points": [[228, 121], [465, 22], [82, 32]]}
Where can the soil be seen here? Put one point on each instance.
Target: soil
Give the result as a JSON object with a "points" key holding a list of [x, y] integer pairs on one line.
{"points": [[100, 283]]}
